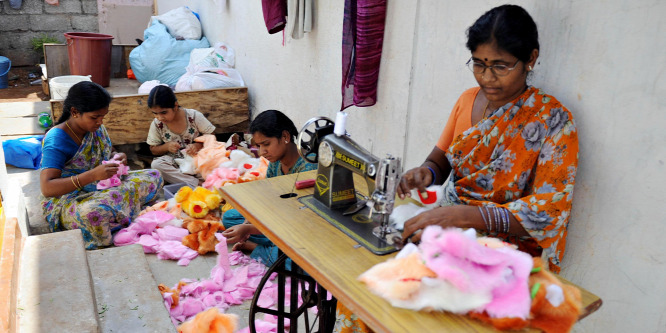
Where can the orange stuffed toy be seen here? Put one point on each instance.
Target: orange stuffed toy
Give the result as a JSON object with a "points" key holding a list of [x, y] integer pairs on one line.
{"points": [[202, 234], [210, 321], [555, 306], [198, 202]]}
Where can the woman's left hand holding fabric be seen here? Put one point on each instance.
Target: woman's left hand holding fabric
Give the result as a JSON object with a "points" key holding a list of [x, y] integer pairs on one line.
{"points": [[451, 216]]}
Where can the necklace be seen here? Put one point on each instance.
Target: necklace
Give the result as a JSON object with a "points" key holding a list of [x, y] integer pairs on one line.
{"points": [[77, 137], [484, 110]]}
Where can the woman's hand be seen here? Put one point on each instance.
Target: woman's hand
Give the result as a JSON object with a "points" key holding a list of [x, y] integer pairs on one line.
{"points": [[173, 146], [193, 149], [418, 178], [451, 216], [120, 157], [237, 233], [104, 171]]}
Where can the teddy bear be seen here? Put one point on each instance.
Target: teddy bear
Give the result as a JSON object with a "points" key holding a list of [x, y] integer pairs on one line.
{"points": [[202, 234], [198, 202]]}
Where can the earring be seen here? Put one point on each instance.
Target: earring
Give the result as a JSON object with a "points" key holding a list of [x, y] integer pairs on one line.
{"points": [[530, 67], [285, 141]]}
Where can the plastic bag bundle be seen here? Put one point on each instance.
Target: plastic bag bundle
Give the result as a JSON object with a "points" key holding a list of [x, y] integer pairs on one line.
{"points": [[161, 57], [181, 23], [24, 152], [199, 78]]}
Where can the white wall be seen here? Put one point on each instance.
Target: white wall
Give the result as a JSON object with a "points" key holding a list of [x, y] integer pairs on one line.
{"points": [[604, 60]]}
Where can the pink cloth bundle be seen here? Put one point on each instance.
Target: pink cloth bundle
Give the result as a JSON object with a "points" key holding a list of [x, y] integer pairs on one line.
{"points": [[115, 179], [152, 231], [452, 270]]}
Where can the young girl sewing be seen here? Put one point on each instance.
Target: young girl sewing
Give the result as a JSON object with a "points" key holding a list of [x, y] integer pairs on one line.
{"points": [[274, 133], [72, 155], [173, 130]]}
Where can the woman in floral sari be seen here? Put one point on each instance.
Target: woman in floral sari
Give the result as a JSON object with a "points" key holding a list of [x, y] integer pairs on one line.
{"points": [[72, 155], [508, 150]]}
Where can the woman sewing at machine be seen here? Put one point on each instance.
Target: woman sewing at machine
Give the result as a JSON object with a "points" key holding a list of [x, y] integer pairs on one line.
{"points": [[274, 133], [509, 150]]}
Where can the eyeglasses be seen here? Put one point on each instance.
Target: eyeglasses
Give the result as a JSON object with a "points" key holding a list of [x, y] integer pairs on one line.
{"points": [[480, 68]]}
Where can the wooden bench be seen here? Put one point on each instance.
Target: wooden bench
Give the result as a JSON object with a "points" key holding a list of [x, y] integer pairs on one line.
{"points": [[129, 118]]}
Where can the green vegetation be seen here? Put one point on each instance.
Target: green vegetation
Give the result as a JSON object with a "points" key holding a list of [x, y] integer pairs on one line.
{"points": [[39, 41]]}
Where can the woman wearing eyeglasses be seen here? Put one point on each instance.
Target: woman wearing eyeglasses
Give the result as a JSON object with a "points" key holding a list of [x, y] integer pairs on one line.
{"points": [[510, 151]]}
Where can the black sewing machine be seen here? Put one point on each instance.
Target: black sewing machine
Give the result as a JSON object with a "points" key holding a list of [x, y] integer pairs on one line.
{"points": [[335, 198]]}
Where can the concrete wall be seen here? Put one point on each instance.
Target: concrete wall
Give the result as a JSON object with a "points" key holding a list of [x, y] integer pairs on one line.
{"points": [[36, 17], [604, 60]]}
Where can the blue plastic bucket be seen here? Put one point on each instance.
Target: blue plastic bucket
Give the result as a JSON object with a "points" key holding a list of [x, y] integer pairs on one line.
{"points": [[5, 65]]}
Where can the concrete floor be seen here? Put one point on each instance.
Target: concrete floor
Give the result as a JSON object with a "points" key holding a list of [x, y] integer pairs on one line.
{"points": [[166, 272]]}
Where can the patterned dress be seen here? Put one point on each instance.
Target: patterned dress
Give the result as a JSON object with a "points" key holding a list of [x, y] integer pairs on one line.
{"points": [[97, 213]]}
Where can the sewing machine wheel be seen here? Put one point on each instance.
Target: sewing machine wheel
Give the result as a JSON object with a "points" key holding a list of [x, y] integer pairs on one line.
{"points": [[310, 136]]}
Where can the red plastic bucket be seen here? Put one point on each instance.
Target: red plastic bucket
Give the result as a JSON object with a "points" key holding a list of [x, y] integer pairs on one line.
{"points": [[90, 54]]}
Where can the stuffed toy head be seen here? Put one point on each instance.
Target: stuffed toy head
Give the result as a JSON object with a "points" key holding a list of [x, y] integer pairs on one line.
{"points": [[202, 235], [198, 202]]}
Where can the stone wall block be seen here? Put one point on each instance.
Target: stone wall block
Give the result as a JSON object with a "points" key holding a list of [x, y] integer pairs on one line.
{"points": [[87, 23], [51, 22], [66, 6], [89, 6], [21, 57], [27, 7], [14, 22]]}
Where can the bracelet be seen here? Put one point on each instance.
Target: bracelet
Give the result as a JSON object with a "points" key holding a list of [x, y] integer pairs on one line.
{"points": [[490, 220], [433, 175], [72, 179], [78, 181], [485, 221]]}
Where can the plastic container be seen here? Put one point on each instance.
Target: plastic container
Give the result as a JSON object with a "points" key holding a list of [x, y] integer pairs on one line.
{"points": [[5, 65], [59, 86], [90, 54], [171, 189]]}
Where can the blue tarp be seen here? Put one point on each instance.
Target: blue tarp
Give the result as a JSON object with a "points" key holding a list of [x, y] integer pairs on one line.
{"points": [[24, 152]]}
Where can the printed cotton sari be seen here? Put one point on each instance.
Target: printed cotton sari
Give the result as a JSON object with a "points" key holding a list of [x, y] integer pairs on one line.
{"points": [[99, 213], [524, 158]]}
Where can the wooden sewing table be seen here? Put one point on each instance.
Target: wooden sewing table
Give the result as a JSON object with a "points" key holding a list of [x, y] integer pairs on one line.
{"points": [[335, 260]]}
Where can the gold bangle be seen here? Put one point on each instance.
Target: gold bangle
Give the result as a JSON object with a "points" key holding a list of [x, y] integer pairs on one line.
{"points": [[78, 181], [72, 179]]}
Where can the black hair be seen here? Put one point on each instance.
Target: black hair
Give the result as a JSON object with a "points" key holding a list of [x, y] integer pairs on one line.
{"points": [[85, 96], [510, 26], [162, 96], [272, 123]]}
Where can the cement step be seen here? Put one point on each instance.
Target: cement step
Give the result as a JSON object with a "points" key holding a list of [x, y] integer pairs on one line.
{"points": [[126, 292], [55, 287]]}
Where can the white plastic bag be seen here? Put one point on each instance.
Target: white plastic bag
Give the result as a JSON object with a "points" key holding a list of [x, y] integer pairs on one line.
{"points": [[181, 23], [199, 78], [218, 56], [147, 86]]}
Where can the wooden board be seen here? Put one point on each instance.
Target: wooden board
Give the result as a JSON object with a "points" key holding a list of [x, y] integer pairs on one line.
{"points": [[57, 60], [129, 118]]}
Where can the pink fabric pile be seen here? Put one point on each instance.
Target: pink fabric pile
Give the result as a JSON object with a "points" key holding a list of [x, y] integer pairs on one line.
{"points": [[152, 231], [115, 179], [452, 270]]}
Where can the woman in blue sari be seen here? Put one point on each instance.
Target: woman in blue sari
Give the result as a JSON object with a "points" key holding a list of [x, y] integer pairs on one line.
{"points": [[71, 167]]}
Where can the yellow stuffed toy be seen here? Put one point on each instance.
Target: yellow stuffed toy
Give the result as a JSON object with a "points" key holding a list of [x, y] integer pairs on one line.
{"points": [[198, 202]]}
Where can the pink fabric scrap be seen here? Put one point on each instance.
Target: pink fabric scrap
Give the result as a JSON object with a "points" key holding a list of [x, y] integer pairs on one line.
{"points": [[470, 266], [115, 179], [166, 242]]}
